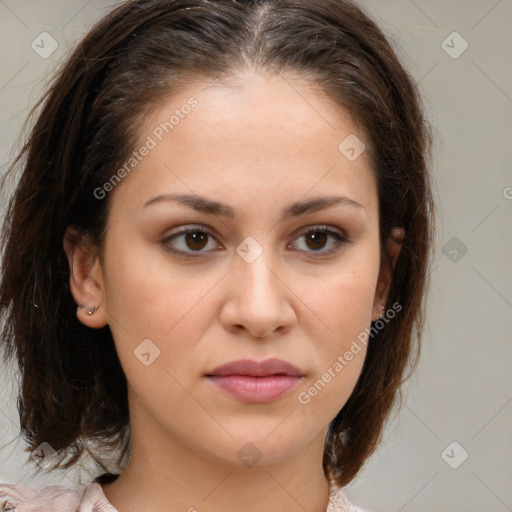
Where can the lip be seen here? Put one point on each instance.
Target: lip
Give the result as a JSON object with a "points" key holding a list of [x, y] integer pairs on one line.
{"points": [[256, 382]]}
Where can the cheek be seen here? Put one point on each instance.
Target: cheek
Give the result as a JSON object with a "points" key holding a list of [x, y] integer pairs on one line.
{"points": [[149, 292], [343, 300], [150, 299], [343, 306]]}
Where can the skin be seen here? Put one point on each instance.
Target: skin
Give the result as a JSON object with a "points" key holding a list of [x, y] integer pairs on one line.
{"points": [[256, 144]]}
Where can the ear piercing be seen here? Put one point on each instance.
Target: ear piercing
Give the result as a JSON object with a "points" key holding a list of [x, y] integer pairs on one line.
{"points": [[90, 311]]}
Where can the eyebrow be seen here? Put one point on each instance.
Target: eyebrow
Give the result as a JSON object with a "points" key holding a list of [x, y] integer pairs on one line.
{"points": [[204, 205]]}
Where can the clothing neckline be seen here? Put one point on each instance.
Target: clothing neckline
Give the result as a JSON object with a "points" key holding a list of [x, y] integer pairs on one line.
{"points": [[337, 499]]}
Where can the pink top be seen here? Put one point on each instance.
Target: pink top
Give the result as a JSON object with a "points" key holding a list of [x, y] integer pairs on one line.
{"points": [[90, 498]]}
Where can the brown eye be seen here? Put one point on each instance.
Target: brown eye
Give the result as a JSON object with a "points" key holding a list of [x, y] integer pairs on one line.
{"points": [[318, 238], [191, 242], [196, 240]]}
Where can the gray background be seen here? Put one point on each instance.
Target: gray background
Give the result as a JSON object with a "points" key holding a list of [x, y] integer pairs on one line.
{"points": [[462, 391]]}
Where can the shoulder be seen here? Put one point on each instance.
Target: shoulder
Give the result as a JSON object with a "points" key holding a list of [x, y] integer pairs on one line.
{"points": [[21, 497], [338, 502], [52, 498]]}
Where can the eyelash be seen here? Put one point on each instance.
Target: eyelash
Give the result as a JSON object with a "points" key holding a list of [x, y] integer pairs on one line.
{"points": [[339, 238]]}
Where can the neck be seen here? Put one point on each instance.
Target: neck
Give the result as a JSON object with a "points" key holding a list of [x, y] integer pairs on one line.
{"points": [[177, 479]]}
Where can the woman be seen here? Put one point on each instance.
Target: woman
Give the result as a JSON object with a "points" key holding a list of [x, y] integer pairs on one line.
{"points": [[215, 261]]}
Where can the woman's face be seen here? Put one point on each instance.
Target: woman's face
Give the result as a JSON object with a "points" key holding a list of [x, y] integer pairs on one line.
{"points": [[257, 171]]}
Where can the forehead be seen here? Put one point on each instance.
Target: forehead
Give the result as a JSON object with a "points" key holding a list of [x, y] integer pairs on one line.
{"points": [[253, 134]]}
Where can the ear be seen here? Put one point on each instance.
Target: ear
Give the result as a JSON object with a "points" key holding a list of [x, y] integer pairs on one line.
{"points": [[394, 246], [85, 278]]}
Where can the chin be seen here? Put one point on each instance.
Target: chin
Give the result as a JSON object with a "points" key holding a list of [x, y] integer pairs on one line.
{"points": [[260, 444]]}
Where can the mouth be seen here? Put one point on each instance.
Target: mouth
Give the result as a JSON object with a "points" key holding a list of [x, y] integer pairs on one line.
{"points": [[256, 382]]}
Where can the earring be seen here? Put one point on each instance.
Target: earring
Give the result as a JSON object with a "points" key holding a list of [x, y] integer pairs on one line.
{"points": [[93, 310], [90, 311], [381, 308]]}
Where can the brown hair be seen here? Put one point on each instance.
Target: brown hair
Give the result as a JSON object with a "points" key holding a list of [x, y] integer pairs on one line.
{"points": [[73, 388]]}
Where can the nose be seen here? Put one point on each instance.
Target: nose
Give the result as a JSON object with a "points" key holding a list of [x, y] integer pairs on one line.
{"points": [[260, 300]]}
